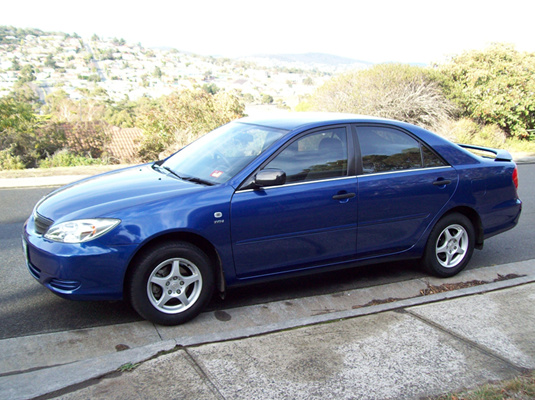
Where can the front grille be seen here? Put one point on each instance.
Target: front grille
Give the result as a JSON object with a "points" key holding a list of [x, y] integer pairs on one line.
{"points": [[61, 284], [42, 224]]}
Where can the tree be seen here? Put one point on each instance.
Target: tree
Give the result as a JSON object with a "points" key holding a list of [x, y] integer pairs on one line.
{"points": [[403, 92], [145, 80], [15, 65], [25, 94], [20, 145], [61, 108], [82, 138], [208, 75], [267, 99], [122, 114], [106, 54], [50, 62], [78, 126], [15, 115], [118, 42], [181, 117], [157, 73], [210, 88], [26, 75], [494, 86]]}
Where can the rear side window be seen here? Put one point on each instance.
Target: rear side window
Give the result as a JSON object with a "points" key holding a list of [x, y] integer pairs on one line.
{"points": [[318, 155], [386, 149], [431, 159]]}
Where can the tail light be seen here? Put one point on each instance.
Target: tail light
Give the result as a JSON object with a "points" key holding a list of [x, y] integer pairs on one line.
{"points": [[515, 177]]}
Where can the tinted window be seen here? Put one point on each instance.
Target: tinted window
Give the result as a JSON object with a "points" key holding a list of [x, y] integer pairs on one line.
{"points": [[385, 149], [431, 159], [318, 155]]}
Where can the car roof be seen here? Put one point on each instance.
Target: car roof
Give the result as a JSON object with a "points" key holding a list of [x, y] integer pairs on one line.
{"points": [[294, 120]]}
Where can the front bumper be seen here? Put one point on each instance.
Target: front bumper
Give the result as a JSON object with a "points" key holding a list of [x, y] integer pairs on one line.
{"points": [[85, 271]]}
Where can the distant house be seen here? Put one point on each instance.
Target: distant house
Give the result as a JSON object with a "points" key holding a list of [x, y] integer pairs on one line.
{"points": [[123, 142], [97, 139]]}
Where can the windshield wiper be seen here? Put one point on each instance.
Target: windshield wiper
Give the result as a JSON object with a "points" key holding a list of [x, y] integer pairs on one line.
{"points": [[172, 172], [197, 180], [167, 170], [184, 178]]}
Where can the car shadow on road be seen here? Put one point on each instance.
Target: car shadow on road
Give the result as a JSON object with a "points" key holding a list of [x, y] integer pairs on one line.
{"points": [[317, 284]]}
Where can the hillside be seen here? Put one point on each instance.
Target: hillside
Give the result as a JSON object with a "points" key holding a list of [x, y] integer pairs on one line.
{"points": [[74, 64]]}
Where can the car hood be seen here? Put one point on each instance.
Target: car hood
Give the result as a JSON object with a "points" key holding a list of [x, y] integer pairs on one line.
{"points": [[104, 194]]}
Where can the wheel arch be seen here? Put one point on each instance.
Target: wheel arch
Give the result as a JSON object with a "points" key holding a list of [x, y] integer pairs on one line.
{"points": [[188, 237], [475, 219]]}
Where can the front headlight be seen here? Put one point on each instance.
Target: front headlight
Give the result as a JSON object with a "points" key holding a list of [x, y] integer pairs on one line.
{"points": [[82, 230]]}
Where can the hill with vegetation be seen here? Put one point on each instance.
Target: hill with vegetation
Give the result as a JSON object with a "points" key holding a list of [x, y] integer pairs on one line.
{"points": [[61, 94]]}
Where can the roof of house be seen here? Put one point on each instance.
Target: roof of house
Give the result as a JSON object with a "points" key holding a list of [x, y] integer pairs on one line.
{"points": [[123, 142]]}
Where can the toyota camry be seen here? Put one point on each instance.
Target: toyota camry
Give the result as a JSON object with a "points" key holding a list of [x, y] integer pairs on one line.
{"points": [[258, 199]]}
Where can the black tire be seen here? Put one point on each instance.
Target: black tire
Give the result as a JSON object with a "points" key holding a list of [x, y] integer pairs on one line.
{"points": [[171, 283], [450, 246]]}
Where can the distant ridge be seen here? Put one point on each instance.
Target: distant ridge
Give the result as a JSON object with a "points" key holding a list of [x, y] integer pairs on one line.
{"points": [[313, 58]]}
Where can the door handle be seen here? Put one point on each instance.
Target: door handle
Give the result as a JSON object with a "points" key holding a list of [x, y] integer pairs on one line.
{"points": [[344, 196], [441, 182]]}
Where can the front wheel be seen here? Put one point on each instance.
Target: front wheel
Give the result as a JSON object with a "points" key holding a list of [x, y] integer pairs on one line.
{"points": [[171, 283], [450, 246]]}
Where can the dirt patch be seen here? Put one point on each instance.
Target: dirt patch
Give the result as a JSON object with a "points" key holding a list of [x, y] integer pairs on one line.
{"points": [[445, 287]]}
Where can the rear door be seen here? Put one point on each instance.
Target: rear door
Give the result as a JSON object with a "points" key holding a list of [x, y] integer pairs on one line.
{"points": [[402, 185], [309, 220]]}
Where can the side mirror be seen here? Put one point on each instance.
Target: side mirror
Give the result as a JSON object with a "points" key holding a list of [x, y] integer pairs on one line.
{"points": [[270, 177]]}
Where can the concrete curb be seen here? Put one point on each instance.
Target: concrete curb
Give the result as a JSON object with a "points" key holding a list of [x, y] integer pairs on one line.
{"points": [[44, 181], [335, 316]]}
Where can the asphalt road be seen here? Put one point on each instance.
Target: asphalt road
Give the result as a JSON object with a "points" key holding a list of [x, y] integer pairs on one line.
{"points": [[27, 308]]}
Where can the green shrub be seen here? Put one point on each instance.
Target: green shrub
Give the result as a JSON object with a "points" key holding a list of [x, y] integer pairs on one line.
{"points": [[494, 86], [179, 118], [18, 125], [10, 161], [469, 132], [64, 158]]}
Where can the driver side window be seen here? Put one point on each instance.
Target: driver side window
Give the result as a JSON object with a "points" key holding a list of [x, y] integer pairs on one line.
{"points": [[316, 156]]}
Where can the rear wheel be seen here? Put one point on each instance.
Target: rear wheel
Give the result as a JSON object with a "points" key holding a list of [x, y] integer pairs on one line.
{"points": [[171, 283], [450, 245]]}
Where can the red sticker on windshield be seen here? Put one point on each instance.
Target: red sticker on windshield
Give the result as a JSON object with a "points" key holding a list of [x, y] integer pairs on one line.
{"points": [[216, 174]]}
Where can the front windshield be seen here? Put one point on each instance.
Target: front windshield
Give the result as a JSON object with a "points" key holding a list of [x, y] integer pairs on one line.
{"points": [[219, 155]]}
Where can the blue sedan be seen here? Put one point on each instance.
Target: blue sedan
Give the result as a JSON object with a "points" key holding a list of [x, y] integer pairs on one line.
{"points": [[262, 198]]}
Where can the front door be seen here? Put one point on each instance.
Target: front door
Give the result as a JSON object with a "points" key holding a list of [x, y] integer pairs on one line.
{"points": [[309, 221]]}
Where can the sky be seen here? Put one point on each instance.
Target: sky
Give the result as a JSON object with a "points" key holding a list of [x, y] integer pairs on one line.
{"points": [[407, 31]]}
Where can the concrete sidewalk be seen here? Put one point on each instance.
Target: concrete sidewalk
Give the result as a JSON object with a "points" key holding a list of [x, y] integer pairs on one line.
{"points": [[361, 343], [43, 181]]}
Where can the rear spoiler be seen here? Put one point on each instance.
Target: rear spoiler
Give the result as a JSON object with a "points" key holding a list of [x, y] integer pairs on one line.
{"points": [[499, 155]]}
